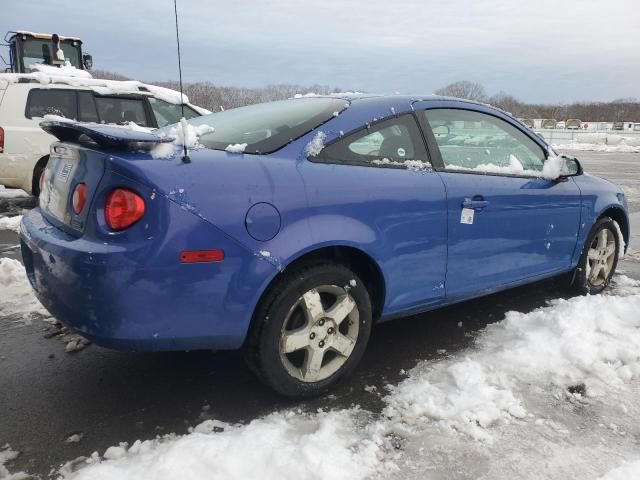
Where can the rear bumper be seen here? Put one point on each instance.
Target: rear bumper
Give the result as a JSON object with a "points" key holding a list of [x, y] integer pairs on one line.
{"points": [[125, 299]]}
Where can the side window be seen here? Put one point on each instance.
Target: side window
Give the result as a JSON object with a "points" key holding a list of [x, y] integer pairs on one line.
{"points": [[168, 113], [121, 110], [479, 142], [392, 142], [87, 107], [41, 102]]}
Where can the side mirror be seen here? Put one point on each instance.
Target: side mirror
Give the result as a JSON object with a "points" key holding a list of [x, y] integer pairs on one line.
{"points": [[570, 166], [87, 61]]}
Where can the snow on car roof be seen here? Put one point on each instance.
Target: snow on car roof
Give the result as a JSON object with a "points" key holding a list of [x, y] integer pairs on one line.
{"points": [[47, 75], [45, 35]]}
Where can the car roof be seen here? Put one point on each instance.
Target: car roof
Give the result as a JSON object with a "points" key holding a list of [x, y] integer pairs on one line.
{"points": [[373, 100]]}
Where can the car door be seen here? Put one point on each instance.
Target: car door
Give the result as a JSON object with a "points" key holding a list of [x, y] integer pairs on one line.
{"points": [[375, 189], [506, 224]]}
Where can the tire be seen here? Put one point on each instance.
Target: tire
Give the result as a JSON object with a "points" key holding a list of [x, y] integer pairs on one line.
{"points": [[310, 330], [606, 253], [37, 173]]}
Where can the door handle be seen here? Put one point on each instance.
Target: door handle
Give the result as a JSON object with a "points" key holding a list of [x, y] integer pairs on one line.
{"points": [[476, 203]]}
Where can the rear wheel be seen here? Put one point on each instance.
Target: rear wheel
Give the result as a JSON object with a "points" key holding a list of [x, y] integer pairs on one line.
{"points": [[37, 174], [311, 330], [599, 258]]}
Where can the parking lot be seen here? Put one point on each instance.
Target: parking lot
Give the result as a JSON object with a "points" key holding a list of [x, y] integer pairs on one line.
{"points": [[57, 406]]}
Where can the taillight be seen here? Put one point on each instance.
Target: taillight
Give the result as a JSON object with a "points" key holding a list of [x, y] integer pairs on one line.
{"points": [[123, 209], [1, 140], [79, 196]]}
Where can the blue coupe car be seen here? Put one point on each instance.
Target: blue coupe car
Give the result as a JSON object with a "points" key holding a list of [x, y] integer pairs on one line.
{"points": [[295, 226]]}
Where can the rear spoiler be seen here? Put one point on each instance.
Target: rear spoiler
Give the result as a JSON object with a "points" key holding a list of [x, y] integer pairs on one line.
{"points": [[106, 136]]}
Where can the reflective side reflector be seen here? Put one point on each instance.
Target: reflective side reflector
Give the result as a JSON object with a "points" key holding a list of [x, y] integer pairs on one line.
{"points": [[202, 256]]}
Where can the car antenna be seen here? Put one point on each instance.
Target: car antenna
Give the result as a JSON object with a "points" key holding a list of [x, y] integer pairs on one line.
{"points": [[185, 155]]}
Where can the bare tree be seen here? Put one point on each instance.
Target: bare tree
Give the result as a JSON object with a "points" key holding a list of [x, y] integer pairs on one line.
{"points": [[214, 98], [104, 74], [464, 89]]}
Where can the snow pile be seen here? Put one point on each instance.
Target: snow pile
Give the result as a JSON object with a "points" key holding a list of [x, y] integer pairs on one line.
{"points": [[12, 192], [6, 455], [590, 341], [236, 148], [184, 134], [628, 471], [11, 223], [465, 396], [15, 291], [603, 142], [315, 146], [281, 446], [66, 70], [586, 343]]}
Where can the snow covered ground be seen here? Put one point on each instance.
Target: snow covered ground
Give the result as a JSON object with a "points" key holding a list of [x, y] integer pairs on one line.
{"points": [[12, 192], [546, 394], [602, 142]]}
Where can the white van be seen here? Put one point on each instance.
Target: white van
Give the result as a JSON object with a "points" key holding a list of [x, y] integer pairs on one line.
{"points": [[26, 98]]}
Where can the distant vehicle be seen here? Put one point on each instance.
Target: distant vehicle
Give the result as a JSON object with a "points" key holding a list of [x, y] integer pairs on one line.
{"points": [[549, 123], [24, 146], [528, 122], [636, 127], [301, 223], [561, 124], [28, 48], [573, 124], [618, 126]]}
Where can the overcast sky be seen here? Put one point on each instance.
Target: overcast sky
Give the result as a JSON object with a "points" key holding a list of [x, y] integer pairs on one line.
{"points": [[537, 50]]}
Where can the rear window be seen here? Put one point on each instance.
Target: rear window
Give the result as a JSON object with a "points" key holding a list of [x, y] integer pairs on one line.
{"points": [[121, 110], [267, 127], [51, 102]]}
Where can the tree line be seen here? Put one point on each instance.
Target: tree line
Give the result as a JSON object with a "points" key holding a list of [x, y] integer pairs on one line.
{"points": [[620, 110], [215, 98]]}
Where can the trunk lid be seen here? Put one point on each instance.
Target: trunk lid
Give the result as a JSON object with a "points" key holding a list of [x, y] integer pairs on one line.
{"points": [[69, 165], [80, 158]]}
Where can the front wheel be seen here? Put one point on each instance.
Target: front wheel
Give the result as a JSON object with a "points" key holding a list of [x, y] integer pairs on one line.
{"points": [[310, 330], [599, 258]]}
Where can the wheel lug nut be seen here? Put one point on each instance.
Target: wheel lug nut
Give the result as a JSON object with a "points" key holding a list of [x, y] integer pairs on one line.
{"points": [[321, 322], [321, 344], [312, 336], [330, 330]]}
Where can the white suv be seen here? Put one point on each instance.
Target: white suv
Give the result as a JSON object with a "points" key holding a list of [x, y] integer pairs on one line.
{"points": [[26, 98]]}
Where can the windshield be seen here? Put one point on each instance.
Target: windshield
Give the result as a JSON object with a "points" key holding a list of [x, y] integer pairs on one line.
{"points": [[267, 127], [36, 51]]}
